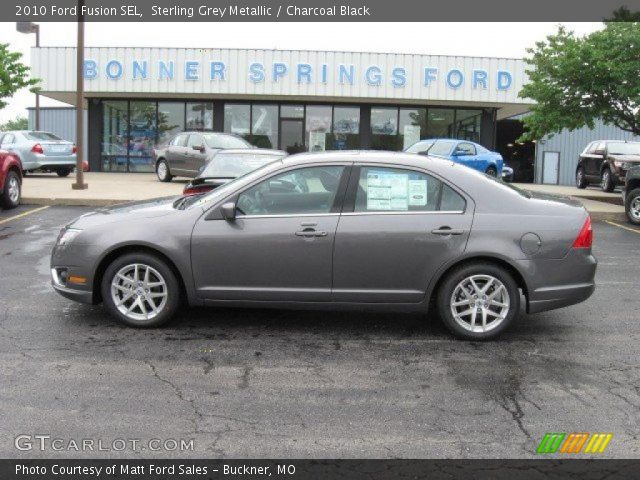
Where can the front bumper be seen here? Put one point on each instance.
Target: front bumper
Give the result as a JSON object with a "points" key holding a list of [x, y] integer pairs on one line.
{"points": [[76, 294]]}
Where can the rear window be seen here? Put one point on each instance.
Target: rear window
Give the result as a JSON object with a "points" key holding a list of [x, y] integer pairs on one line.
{"points": [[420, 147], [441, 148], [232, 165], [41, 136], [620, 148]]}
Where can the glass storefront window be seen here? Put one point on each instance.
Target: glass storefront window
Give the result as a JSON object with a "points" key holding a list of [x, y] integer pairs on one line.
{"points": [[468, 125], [413, 126], [384, 128], [199, 116], [236, 118], [170, 120], [264, 128], [440, 123], [292, 111], [318, 127], [114, 136], [142, 135], [346, 129]]}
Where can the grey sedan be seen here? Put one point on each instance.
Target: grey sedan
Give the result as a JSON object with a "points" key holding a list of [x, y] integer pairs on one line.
{"points": [[188, 152], [337, 230], [42, 151]]}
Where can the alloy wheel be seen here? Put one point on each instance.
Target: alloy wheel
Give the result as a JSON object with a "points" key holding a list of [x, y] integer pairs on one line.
{"points": [[480, 303], [605, 179], [579, 177], [14, 189], [139, 291], [634, 208], [162, 170]]}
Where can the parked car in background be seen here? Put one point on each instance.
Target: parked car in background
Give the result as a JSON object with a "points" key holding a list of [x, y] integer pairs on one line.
{"points": [[606, 162], [305, 231], [10, 179], [631, 195], [507, 173], [188, 152], [227, 165], [464, 152], [40, 151]]}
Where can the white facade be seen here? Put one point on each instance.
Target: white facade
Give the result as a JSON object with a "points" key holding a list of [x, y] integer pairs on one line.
{"points": [[285, 74]]}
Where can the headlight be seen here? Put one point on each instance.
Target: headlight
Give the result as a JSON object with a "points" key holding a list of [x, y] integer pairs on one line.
{"points": [[67, 235]]}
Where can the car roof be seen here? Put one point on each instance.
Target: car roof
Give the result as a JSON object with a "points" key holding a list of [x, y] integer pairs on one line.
{"points": [[368, 156], [253, 151]]}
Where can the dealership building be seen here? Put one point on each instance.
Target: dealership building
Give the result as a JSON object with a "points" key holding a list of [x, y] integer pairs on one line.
{"points": [[137, 98]]}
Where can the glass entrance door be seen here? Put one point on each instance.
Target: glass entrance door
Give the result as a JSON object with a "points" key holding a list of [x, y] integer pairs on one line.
{"points": [[292, 135]]}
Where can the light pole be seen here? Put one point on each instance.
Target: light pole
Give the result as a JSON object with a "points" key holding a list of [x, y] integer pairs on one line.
{"points": [[79, 183], [28, 27]]}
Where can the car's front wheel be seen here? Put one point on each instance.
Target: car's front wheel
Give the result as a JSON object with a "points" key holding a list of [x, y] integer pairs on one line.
{"points": [[478, 301], [581, 180], [11, 190], [606, 181], [141, 290], [492, 172], [162, 171], [632, 206]]}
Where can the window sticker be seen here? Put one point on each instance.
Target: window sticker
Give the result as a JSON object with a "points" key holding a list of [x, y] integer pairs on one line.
{"points": [[387, 191], [417, 193]]}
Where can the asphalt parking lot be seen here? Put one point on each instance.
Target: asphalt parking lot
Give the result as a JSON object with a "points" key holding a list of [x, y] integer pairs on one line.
{"points": [[258, 383]]}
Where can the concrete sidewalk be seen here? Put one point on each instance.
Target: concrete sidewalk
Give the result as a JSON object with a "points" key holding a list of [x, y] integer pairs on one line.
{"points": [[112, 188]]}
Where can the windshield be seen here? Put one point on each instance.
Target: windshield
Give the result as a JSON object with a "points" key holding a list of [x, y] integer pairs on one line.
{"points": [[420, 146], [620, 148], [41, 136], [225, 141], [441, 147], [217, 193], [232, 165]]}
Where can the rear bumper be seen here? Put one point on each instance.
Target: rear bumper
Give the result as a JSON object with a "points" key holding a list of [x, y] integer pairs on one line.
{"points": [[563, 282], [37, 161]]}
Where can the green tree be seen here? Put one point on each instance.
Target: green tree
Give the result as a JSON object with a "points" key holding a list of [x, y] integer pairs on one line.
{"points": [[623, 14], [18, 123], [577, 80], [14, 75]]}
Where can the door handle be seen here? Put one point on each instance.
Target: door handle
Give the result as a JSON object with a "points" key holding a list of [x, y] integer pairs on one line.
{"points": [[310, 233], [447, 231]]}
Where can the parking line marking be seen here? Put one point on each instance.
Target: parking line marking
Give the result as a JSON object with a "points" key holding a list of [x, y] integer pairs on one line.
{"points": [[23, 214], [622, 226]]}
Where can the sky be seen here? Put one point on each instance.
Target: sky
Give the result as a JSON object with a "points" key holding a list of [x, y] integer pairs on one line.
{"points": [[470, 39]]}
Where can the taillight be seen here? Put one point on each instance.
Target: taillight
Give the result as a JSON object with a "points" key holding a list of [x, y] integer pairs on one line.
{"points": [[74, 149], [585, 237], [37, 148], [189, 190]]}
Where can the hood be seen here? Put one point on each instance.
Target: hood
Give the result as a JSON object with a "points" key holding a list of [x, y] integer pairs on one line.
{"points": [[157, 207]]}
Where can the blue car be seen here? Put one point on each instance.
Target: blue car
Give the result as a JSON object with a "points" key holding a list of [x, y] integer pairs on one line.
{"points": [[464, 152]]}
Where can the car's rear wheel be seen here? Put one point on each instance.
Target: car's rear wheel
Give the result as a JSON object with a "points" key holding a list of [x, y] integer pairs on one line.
{"points": [[492, 172], [64, 172], [581, 180], [632, 206], [163, 172], [141, 290], [478, 301], [11, 190], [606, 181]]}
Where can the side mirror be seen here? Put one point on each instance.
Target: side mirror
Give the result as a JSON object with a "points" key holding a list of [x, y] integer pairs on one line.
{"points": [[199, 148], [228, 211]]}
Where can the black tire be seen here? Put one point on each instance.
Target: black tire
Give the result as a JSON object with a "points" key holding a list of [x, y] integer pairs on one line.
{"points": [[606, 181], [163, 166], [10, 198], [173, 298], [64, 172], [632, 206], [492, 171], [581, 180], [449, 286]]}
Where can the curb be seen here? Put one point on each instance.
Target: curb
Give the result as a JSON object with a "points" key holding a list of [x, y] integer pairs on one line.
{"points": [[612, 216]]}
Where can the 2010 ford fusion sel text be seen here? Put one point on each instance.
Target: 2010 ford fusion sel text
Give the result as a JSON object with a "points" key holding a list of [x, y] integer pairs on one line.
{"points": [[374, 230]]}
